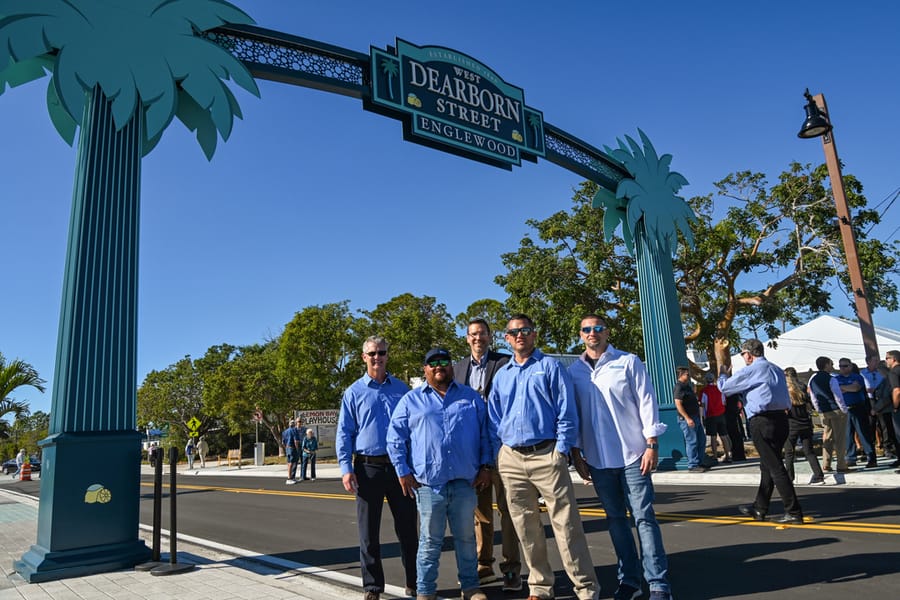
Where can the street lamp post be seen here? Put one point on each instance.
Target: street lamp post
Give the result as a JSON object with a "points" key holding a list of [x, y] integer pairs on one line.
{"points": [[817, 124]]}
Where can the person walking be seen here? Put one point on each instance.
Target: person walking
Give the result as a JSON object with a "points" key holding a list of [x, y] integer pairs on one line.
{"points": [[290, 439], [477, 371], [800, 428], [617, 449], [20, 460], [767, 402], [533, 424], [202, 451], [366, 469], [828, 400], [309, 447], [438, 445], [189, 452]]}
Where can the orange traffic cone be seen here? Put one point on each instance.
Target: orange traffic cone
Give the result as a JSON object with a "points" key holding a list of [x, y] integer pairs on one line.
{"points": [[25, 473]]}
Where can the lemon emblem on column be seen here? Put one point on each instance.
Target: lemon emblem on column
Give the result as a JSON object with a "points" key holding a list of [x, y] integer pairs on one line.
{"points": [[97, 493]]}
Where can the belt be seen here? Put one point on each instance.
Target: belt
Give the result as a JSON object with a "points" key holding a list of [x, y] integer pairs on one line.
{"points": [[770, 413], [533, 448], [381, 459]]}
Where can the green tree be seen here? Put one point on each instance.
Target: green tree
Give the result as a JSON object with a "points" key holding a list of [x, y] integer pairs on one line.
{"points": [[569, 270], [14, 375], [315, 354], [250, 381], [171, 397], [412, 325], [785, 236], [763, 256]]}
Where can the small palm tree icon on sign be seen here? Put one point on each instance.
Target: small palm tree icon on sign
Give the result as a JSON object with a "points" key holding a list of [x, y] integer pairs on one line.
{"points": [[389, 67]]}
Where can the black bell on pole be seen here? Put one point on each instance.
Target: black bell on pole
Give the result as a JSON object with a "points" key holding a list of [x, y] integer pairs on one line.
{"points": [[816, 124]]}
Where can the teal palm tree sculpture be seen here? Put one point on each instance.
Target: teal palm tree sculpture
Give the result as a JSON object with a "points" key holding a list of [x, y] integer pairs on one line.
{"points": [[651, 215], [121, 71]]}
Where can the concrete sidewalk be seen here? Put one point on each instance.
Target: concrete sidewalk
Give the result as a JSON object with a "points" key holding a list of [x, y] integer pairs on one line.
{"points": [[220, 573]]}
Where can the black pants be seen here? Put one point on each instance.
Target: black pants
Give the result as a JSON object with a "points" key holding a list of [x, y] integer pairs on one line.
{"points": [[375, 483], [888, 436], [733, 427], [769, 431], [805, 438]]}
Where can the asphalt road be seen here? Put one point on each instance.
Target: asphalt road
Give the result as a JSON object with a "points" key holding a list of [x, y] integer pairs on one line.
{"points": [[851, 548]]}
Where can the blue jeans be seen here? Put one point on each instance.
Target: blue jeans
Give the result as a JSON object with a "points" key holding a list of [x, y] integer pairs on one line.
{"points": [[307, 459], [694, 441], [858, 420], [620, 490], [456, 504]]}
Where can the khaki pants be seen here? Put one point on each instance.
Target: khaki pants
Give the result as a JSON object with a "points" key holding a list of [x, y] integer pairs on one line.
{"points": [[484, 530], [545, 473], [834, 439]]}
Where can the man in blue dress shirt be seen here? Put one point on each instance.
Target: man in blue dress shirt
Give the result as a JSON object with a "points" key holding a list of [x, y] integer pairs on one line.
{"points": [[438, 445], [766, 402], [533, 425], [366, 470]]}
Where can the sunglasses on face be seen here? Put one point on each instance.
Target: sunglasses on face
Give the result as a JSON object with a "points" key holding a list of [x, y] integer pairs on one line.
{"points": [[594, 328], [374, 353], [517, 330], [438, 363]]}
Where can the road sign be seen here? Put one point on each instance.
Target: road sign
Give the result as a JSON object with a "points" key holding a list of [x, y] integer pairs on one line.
{"points": [[318, 417], [193, 424]]}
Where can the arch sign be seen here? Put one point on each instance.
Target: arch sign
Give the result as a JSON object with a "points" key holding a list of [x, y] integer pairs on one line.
{"points": [[450, 101], [177, 60]]}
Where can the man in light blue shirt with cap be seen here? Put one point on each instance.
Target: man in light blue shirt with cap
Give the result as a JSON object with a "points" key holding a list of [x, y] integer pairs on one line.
{"points": [[438, 445]]}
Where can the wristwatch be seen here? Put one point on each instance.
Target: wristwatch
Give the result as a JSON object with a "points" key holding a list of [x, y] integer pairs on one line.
{"points": [[652, 446]]}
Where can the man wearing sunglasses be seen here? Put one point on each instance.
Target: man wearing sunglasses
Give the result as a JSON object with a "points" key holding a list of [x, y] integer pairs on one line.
{"points": [[438, 445], [366, 469], [477, 371], [765, 388], [533, 425], [617, 450]]}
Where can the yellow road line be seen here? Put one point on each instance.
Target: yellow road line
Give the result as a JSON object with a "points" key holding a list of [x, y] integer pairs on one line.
{"points": [[853, 527]]}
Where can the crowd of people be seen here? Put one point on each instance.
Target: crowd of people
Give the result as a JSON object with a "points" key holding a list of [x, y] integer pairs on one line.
{"points": [[498, 428]]}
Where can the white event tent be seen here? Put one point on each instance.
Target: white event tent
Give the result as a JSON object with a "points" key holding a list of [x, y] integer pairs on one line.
{"points": [[823, 336]]}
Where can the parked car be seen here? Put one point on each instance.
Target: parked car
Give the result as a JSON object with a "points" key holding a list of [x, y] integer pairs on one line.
{"points": [[9, 467]]}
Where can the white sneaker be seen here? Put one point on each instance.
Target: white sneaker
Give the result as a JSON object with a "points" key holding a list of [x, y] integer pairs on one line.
{"points": [[313, 479], [289, 482]]}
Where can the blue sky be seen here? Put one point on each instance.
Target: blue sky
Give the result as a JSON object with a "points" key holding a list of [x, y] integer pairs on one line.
{"points": [[314, 200]]}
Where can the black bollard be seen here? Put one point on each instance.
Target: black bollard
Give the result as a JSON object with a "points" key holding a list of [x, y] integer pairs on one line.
{"points": [[173, 566], [156, 460]]}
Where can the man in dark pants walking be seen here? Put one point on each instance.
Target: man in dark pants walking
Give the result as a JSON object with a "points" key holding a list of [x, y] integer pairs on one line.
{"points": [[361, 443], [767, 401]]}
